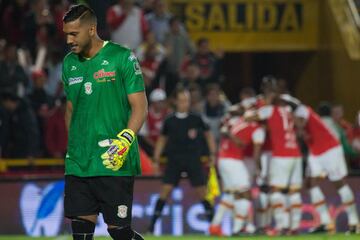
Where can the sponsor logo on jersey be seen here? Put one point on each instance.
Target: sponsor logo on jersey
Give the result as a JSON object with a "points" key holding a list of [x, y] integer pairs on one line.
{"points": [[105, 62], [122, 211], [73, 68], [75, 80], [88, 88], [102, 76]]}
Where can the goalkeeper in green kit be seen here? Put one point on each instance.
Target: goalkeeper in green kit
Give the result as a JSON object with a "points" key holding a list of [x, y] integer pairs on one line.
{"points": [[106, 106]]}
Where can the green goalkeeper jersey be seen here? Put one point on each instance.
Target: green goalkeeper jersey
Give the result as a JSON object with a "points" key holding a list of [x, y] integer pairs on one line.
{"points": [[98, 89]]}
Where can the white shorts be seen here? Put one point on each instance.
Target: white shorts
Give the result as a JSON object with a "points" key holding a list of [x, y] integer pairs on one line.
{"points": [[234, 175], [330, 163], [265, 159], [251, 167], [285, 172]]}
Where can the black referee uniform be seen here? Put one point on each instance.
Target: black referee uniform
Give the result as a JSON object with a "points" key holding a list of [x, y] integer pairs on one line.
{"points": [[184, 133]]}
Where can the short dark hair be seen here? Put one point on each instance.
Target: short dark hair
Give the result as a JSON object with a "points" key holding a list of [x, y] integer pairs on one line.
{"points": [[202, 40], [324, 109], [81, 12], [248, 91]]}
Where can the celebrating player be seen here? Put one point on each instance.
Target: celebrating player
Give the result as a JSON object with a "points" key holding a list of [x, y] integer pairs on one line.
{"points": [[285, 171], [237, 137], [326, 158]]}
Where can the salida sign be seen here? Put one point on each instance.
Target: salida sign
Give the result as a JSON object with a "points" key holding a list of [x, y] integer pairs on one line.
{"points": [[246, 22]]}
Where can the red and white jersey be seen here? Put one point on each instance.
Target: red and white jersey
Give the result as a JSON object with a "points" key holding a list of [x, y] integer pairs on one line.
{"points": [[247, 132], [321, 138], [280, 125], [155, 122]]}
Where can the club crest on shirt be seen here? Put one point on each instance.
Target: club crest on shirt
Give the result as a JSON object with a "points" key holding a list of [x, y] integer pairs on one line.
{"points": [[88, 88], [192, 133], [122, 211]]}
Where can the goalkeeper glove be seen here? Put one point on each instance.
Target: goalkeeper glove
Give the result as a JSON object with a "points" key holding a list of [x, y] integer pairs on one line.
{"points": [[118, 149]]}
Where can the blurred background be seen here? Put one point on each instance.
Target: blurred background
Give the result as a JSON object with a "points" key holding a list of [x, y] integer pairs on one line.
{"points": [[215, 48]]}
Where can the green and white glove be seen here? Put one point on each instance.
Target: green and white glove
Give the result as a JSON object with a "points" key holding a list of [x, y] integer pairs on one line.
{"points": [[118, 149]]}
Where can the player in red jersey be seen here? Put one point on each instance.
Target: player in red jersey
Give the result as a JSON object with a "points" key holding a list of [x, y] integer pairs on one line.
{"points": [[285, 170], [237, 136], [249, 100], [326, 158]]}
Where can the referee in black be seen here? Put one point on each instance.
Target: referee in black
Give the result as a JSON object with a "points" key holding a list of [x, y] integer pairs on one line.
{"points": [[182, 135]]}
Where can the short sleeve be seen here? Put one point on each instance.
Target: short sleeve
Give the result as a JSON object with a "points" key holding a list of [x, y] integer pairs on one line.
{"points": [[302, 112], [258, 136], [265, 112], [203, 125], [132, 74]]}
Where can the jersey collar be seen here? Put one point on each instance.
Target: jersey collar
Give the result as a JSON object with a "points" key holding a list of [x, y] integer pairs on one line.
{"points": [[181, 115]]}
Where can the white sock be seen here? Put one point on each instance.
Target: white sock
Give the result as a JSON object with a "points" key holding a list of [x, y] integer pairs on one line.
{"points": [[278, 203], [318, 201], [348, 200], [295, 208], [263, 213], [226, 204], [287, 208], [241, 207]]}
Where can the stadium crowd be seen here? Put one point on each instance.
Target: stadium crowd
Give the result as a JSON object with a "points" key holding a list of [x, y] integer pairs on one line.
{"points": [[31, 51], [33, 103]]}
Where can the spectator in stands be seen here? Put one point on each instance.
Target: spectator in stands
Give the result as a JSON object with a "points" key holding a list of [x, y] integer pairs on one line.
{"points": [[53, 85], [149, 65], [150, 41], [337, 114], [209, 62], [355, 142], [178, 45], [158, 110], [196, 98], [20, 127], [39, 26], [41, 104], [214, 109], [55, 131], [13, 21], [192, 75], [324, 111], [57, 10], [147, 6], [159, 20], [13, 77], [127, 24]]}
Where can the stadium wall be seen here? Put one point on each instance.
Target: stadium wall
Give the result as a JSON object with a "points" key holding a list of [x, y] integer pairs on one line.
{"points": [[35, 208], [330, 74]]}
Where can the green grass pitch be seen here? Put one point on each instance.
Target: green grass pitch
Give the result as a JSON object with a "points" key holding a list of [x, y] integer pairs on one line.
{"points": [[200, 237]]}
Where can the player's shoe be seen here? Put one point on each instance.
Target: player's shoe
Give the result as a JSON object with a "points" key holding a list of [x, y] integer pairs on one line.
{"points": [[248, 230], [330, 228], [353, 229], [215, 230], [150, 229], [262, 231], [277, 232], [292, 232]]}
